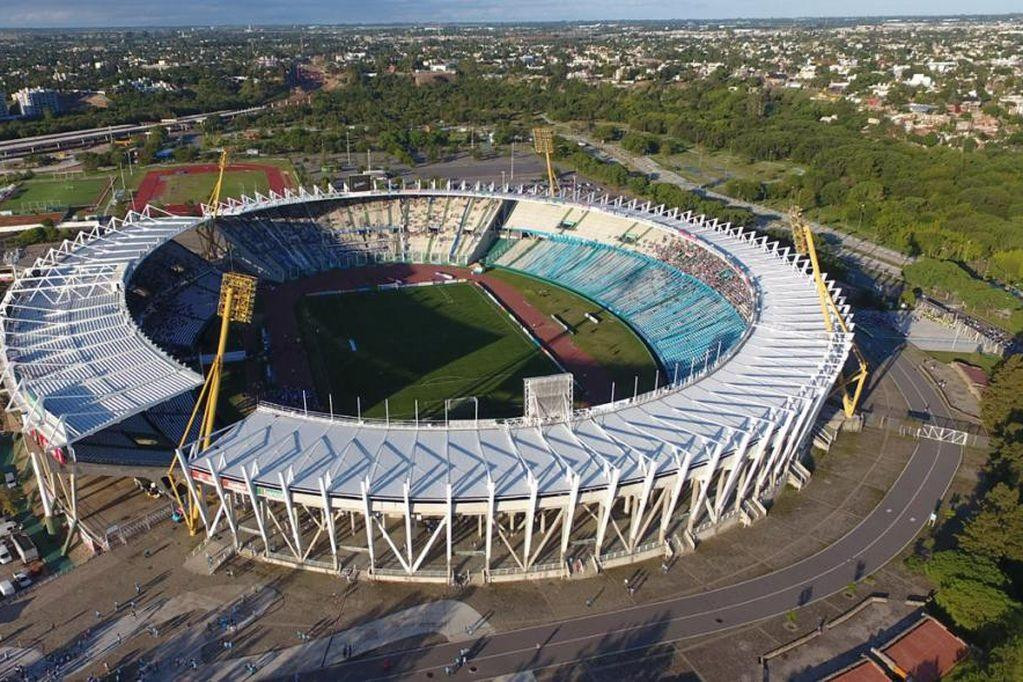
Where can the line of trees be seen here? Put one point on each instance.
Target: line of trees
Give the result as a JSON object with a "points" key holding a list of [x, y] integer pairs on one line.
{"points": [[979, 573]]}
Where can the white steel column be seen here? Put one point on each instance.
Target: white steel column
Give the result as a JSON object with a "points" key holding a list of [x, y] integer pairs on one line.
{"points": [[257, 508], [190, 485], [776, 448], [228, 510], [490, 523], [406, 489], [44, 494], [368, 520], [697, 506], [328, 517], [738, 460], [290, 508], [448, 518], [676, 493], [650, 471], [534, 488], [755, 464], [566, 523], [613, 474]]}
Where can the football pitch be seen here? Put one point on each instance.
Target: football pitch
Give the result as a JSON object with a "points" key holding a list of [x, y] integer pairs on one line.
{"points": [[52, 194], [419, 343], [182, 188]]}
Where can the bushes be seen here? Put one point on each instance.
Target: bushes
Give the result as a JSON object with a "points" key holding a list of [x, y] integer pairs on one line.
{"points": [[998, 306], [978, 577]]}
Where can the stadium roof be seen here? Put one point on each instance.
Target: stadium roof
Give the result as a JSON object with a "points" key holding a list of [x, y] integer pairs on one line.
{"points": [[74, 361], [785, 363]]}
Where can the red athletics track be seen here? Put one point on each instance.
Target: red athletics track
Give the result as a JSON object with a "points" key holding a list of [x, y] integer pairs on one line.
{"points": [[152, 185], [292, 369]]}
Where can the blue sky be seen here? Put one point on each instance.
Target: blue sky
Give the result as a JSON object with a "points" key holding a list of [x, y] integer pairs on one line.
{"points": [[71, 13]]}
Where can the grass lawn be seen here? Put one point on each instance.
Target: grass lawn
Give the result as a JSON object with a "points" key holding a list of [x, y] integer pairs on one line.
{"points": [[422, 343], [197, 187], [39, 195], [983, 360], [612, 343], [714, 168]]}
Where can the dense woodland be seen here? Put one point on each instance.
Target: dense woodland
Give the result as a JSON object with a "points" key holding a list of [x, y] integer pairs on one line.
{"points": [[978, 565]]}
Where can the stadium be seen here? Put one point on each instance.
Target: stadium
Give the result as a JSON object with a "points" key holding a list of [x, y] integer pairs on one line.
{"points": [[531, 456]]}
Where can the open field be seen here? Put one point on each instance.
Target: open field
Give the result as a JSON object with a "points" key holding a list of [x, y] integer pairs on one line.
{"points": [[612, 343], [711, 169], [56, 193], [197, 188], [424, 343], [180, 188]]}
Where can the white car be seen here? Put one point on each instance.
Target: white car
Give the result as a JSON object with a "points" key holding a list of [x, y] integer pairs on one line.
{"points": [[5, 554], [7, 588], [9, 528], [10, 479]]}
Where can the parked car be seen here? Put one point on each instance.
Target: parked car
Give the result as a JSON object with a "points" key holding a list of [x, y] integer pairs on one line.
{"points": [[21, 579], [11, 479], [7, 588], [8, 528], [5, 554]]}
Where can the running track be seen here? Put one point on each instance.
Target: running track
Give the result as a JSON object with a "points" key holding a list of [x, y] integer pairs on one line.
{"points": [[876, 540], [152, 184]]}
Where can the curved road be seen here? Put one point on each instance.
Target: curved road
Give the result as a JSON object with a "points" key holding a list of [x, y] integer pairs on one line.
{"points": [[876, 540]]}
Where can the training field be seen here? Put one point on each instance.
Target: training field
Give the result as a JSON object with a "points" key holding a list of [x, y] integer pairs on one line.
{"points": [[611, 342], [197, 187], [180, 188], [56, 194], [418, 343]]}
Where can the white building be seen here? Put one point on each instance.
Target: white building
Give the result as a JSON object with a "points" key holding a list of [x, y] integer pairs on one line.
{"points": [[34, 101]]}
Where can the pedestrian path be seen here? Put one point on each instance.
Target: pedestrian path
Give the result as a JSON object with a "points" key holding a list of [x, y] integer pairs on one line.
{"points": [[453, 620]]}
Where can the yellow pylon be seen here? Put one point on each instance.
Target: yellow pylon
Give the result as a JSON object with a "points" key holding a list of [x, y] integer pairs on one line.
{"points": [[237, 301], [802, 238], [543, 143], [211, 248]]}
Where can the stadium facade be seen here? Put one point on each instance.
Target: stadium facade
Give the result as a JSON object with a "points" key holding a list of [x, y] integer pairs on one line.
{"points": [[734, 320]]}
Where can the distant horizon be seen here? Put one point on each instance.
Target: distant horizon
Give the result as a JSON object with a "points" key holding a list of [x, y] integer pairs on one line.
{"points": [[102, 14]]}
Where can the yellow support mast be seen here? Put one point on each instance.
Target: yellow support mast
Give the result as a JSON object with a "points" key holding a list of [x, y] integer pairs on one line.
{"points": [[851, 383], [237, 301], [543, 143], [212, 247]]}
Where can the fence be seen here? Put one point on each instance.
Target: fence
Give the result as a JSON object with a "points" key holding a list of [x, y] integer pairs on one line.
{"points": [[125, 532]]}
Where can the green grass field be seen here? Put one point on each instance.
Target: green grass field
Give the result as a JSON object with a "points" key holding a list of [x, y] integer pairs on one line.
{"points": [[49, 194], [423, 343], [612, 343], [180, 189]]}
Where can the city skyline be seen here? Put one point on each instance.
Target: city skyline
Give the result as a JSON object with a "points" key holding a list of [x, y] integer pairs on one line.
{"points": [[125, 13]]}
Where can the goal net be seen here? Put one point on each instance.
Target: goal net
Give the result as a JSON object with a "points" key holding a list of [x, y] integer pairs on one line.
{"points": [[548, 398]]}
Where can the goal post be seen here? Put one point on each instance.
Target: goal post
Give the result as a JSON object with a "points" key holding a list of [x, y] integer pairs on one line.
{"points": [[548, 398]]}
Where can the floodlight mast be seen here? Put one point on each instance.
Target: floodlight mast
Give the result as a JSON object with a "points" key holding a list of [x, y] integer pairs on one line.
{"points": [[543, 143], [850, 384], [237, 301], [213, 248]]}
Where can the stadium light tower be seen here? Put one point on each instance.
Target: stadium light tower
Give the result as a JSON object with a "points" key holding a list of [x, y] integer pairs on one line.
{"points": [[237, 301], [543, 143], [212, 245], [851, 383]]}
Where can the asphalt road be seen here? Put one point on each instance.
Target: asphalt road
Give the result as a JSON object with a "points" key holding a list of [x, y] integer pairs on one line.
{"points": [[890, 527]]}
